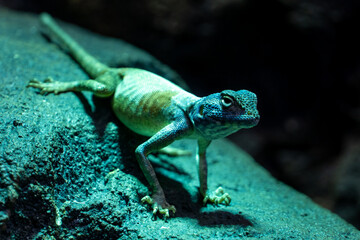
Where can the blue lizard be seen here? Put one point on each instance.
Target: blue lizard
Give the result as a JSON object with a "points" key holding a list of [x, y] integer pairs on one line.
{"points": [[155, 107]]}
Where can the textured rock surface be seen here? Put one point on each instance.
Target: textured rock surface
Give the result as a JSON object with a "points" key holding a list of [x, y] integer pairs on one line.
{"points": [[67, 168]]}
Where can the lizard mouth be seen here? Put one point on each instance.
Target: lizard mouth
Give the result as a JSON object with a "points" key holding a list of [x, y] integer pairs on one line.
{"points": [[250, 121], [253, 122], [242, 121]]}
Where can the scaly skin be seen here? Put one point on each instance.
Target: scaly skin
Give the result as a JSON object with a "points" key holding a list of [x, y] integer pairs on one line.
{"points": [[153, 106]]}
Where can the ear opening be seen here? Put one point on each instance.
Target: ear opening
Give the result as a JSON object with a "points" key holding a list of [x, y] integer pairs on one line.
{"points": [[201, 110]]}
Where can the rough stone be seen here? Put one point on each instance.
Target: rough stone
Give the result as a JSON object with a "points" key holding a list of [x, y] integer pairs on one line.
{"points": [[67, 168]]}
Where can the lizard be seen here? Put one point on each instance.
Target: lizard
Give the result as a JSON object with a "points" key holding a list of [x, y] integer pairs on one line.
{"points": [[152, 106]]}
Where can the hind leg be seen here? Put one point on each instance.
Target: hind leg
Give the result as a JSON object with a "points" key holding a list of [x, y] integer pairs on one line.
{"points": [[103, 86], [51, 86]]}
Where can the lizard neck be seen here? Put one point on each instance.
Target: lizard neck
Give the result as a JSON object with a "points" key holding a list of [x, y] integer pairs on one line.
{"points": [[185, 101]]}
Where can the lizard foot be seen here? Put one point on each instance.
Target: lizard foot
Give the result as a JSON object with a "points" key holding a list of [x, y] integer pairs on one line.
{"points": [[48, 86], [160, 206], [218, 196]]}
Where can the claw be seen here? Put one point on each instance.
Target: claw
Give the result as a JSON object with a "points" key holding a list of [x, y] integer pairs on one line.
{"points": [[165, 212], [227, 199], [147, 199], [164, 208], [33, 81], [217, 197], [48, 86], [155, 210], [206, 199], [218, 191], [49, 80]]}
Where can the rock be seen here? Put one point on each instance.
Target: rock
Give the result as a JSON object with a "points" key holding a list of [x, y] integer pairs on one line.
{"points": [[67, 168]]}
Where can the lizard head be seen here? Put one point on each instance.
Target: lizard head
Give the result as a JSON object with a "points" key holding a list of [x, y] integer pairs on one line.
{"points": [[221, 114]]}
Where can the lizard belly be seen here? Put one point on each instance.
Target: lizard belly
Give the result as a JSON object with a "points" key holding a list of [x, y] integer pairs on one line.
{"points": [[144, 106]]}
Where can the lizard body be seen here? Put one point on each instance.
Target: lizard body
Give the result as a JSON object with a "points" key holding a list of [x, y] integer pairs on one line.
{"points": [[155, 107], [143, 95]]}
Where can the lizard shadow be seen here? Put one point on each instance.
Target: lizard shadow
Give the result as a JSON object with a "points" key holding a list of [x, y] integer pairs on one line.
{"points": [[190, 207], [187, 205], [102, 113]]}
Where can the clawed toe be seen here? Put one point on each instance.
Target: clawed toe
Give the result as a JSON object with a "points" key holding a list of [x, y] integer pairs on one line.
{"points": [[164, 208], [148, 200], [48, 86], [217, 197], [33, 81], [49, 80]]}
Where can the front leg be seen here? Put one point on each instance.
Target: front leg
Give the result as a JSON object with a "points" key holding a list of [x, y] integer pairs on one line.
{"points": [[218, 196], [161, 139]]}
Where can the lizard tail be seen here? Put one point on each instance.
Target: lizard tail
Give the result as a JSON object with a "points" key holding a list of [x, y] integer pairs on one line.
{"points": [[92, 66]]}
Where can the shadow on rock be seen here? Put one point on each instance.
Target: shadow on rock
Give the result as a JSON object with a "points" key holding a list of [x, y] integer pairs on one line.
{"points": [[223, 218]]}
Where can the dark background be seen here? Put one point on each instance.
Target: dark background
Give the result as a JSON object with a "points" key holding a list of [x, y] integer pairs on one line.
{"points": [[302, 59]]}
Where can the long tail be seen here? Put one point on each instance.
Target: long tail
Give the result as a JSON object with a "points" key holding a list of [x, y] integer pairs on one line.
{"points": [[92, 66]]}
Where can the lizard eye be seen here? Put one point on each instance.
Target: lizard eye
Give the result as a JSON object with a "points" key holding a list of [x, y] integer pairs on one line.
{"points": [[226, 101]]}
